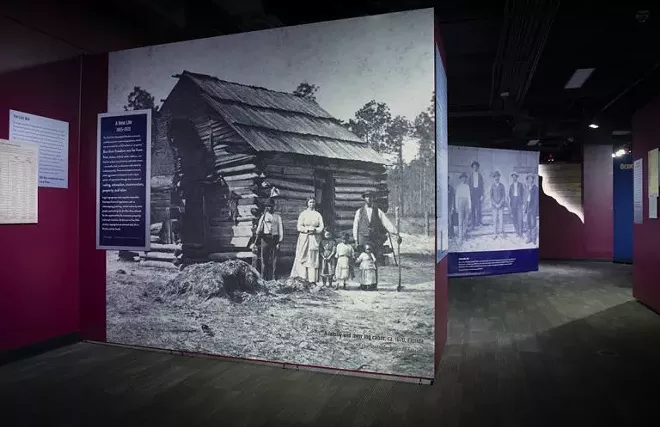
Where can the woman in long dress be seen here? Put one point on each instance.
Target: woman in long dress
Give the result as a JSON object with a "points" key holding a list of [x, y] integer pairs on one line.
{"points": [[310, 227]]}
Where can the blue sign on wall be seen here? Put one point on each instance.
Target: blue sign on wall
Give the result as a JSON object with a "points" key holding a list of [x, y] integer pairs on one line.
{"points": [[623, 208], [123, 180], [491, 263]]}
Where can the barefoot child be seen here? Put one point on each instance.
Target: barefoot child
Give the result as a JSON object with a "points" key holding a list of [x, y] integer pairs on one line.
{"points": [[368, 273], [344, 257], [328, 251]]}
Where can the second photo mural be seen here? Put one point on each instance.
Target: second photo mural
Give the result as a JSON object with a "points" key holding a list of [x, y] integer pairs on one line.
{"points": [[292, 196], [493, 205]]}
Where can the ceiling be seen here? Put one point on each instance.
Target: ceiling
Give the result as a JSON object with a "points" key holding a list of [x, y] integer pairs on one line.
{"points": [[507, 60]]}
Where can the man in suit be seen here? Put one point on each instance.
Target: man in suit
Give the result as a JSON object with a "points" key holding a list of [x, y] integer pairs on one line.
{"points": [[516, 204], [451, 207], [476, 183], [463, 206], [498, 201], [532, 209]]}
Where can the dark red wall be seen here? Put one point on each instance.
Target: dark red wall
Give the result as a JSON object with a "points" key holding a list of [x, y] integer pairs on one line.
{"points": [[441, 309], [646, 236], [39, 287], [92, 262], [561, 234], [598, 200]]}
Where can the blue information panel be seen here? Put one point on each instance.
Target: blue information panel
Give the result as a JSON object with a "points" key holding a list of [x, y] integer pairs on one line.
{"points": [[123, 180], [623, 208], [490, 263]]}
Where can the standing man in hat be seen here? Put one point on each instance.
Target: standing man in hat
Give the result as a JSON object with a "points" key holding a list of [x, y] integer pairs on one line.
{"points": [[532, 210], [371, 225], [463, 207], [516, 204], [476, 193], [498, 201], [270, 233]]}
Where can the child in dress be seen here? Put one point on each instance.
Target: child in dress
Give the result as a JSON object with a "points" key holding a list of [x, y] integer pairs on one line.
{"points": [[328, 251], [344, 257], [368, 272]]}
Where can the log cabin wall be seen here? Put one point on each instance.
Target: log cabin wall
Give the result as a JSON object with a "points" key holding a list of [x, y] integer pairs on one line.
{"points": [[230, 197], [239, 179], [294, 176]]}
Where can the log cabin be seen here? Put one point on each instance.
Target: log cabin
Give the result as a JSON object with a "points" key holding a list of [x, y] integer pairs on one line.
{"points": [[234, 146]]}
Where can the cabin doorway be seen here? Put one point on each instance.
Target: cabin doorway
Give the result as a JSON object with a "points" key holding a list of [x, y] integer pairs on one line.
{"points": [[324, 193], [191, 176]]}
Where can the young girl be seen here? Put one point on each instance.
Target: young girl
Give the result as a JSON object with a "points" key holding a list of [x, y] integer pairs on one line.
{"points": [[344, 257], [368, 272], [328, 251]]}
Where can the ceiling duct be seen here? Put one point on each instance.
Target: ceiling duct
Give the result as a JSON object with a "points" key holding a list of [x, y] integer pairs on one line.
{"points": [[525, 28]]}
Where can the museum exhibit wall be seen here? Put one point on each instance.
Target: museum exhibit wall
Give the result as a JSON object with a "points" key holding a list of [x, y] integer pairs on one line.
{"points": [[560, 203], [494, 208], [623, 209], [442, 165], [571, 230], [39, 286], [598, 201], [92, 267], [646, 252], [234, 96]]}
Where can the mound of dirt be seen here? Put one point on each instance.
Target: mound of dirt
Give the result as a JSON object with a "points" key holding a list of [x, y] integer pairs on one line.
{"points": [[288, 285], [232, 279]]}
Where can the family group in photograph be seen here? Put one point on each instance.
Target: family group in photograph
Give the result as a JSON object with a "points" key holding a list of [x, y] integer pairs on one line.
{"points": [[466, 200], [318, 256]]}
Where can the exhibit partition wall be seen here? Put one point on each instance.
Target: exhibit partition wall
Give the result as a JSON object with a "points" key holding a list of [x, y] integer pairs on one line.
{"points": [[291, 186], [441, 164], [493, 200], [622, 246], [442, 212]]}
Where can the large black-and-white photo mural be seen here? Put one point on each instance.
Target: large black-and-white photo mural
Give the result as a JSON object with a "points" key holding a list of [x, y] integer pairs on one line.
{"points": [[292, 196]]}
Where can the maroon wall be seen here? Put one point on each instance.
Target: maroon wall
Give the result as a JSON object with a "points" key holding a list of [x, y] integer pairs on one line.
{"points": [[561, 232], [441, 309], [646, 236], [92, 262], [598, 199], [563, 235], [39, 287]]}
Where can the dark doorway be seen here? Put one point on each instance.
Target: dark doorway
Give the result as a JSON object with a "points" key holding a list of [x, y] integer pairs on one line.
{"points": [[190, 177], [324, 193]]}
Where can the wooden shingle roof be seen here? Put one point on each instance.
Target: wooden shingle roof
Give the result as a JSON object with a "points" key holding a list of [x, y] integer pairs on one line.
{"points": [[273, 121]]}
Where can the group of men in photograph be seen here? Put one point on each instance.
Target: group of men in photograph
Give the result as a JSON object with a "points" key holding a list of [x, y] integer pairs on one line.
{"points": [[466, 200]]}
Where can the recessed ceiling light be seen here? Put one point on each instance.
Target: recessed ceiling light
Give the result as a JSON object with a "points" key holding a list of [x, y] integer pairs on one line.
{"points": [[578, 78], [533, 142], [593, 126]]}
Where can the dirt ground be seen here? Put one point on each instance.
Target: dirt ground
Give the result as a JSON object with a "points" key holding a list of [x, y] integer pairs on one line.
{"points": [[381, 331]]}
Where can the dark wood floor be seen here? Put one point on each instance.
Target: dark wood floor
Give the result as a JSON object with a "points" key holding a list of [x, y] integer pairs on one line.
{"points": [[563, 346]]}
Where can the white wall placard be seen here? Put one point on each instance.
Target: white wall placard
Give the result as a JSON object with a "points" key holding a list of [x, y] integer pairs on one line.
{"points": [[653, 207], [653, 173], [52, 138], [638, 196], [18, 182]]}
